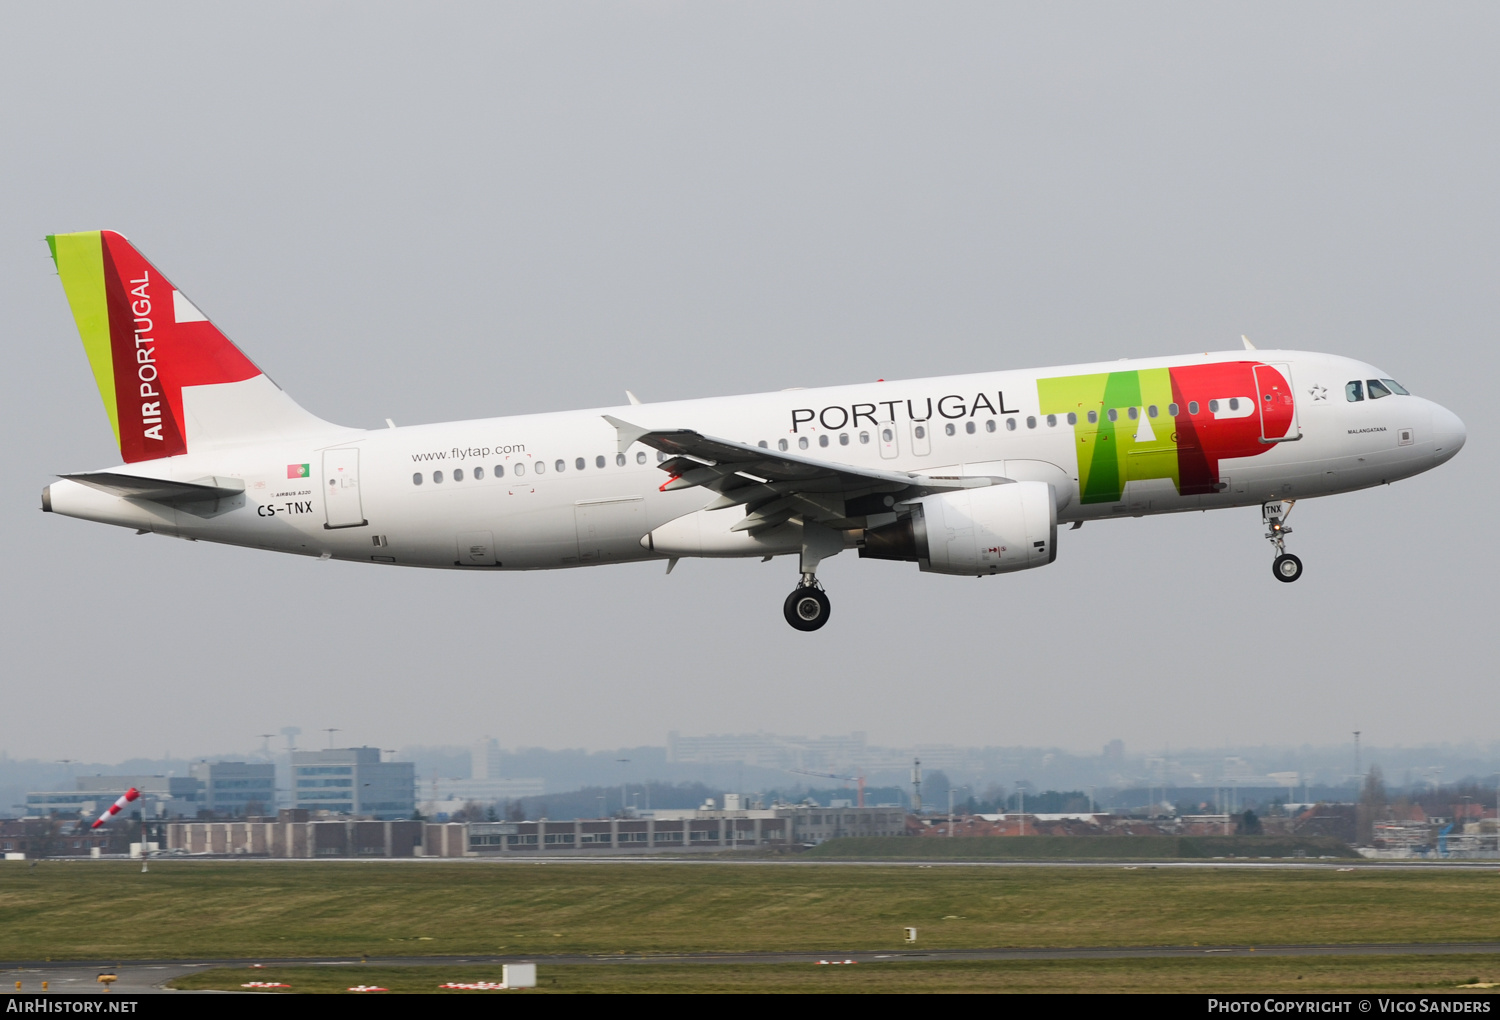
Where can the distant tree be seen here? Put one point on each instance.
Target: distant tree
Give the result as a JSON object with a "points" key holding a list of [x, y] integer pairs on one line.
{"points": [[1249, 824], [515, 813], [490, 815]]}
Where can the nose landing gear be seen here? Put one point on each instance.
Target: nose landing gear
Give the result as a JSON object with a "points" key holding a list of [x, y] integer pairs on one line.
{"points": [[807, 607], [1285, 567]]}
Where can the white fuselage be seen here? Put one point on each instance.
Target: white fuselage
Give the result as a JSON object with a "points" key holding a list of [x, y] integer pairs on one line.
{"points": [[553, 490]]}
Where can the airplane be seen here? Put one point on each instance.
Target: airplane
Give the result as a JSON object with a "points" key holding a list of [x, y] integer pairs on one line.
{"points": [[969, 475]]}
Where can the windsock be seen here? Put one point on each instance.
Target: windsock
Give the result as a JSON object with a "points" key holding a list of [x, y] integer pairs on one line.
{"points": [[115, 808]]}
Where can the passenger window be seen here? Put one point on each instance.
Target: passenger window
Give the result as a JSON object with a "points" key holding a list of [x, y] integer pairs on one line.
{"points": [[920, 432], [864, 437], [416, 479], [1133, 413], [1030, 422], [599, 461], [540, 467], [801, 442], [763, 445], [1354, 391], [660, 457], [1052, 421], [887, 435], [458, 474], [823, 439], [578, 464], [1234, 403], [1213, 406], [1151, 411], [559, 466], [781, 445], [1113, 414], [1093, 417], [1395, 387], [1192, 407], [437, 478], [478, 474], [969, 427], [1072, 418], [1172, 410], [520, 468], [949, 429], [1010, 424], [499, 470], [843, 439], [1377, 389], [989, 426], [619, 460], [640, 456]]}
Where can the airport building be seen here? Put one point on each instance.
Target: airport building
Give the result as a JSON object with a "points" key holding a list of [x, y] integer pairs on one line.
{"points": [[297, 833], [294, 834], [235, 787], [354, 781], [161, 796]]}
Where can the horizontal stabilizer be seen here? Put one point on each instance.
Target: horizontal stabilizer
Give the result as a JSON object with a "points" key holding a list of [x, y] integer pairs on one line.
{"points": [[160, 490]]}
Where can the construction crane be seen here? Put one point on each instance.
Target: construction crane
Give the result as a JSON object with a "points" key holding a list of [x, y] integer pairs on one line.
{"points": [[860, 779]]}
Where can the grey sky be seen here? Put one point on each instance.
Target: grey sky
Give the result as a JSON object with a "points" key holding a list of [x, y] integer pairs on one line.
{"points": [[433, 212]]}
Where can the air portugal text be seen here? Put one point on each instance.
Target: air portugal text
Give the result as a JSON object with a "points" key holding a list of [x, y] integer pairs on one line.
{"points": [[145, 356], [951, 406]]}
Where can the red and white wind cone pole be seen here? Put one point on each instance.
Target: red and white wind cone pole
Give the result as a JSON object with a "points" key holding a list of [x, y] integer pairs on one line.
{"points": [[115, 808]]}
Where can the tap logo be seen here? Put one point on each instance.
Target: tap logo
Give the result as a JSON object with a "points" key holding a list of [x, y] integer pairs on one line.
{"points": [[1175, 423]]}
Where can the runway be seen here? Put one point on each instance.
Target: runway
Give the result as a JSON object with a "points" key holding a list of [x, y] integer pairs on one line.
{"points": [[148, 976], [1127, 864]]}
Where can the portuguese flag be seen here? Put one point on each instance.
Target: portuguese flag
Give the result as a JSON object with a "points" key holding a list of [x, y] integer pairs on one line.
{"points": [[299, 470]]}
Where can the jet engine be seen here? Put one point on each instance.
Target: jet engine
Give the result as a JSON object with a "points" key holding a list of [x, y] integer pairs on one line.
{"points": [[973, 532]]}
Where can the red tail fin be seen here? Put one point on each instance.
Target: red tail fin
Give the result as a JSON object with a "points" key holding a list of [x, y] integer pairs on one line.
{"points": [[148, 344]]}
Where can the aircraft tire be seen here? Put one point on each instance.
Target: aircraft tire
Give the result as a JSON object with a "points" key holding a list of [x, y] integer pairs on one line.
{"points": [[1287, 568], [806, 608]]}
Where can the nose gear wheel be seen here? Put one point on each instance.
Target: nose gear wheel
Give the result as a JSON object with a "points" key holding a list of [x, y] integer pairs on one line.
{"points": [[1285, 567]]}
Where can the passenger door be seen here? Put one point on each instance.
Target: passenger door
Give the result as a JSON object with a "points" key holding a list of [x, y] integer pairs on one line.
{"points": [[341, 500], [1274, 394]]}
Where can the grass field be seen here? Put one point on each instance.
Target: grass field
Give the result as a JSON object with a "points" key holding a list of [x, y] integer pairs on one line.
{"points": [[249, 909], [1056, 848], [1408, 974]]}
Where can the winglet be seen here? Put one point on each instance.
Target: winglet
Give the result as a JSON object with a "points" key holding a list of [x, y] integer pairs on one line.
{"points": [[632, 397], [1248, 345], [628, 433]]}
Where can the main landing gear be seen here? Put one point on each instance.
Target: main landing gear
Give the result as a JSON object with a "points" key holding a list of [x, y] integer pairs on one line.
{"points": [[806, 608], [1285, 567]]}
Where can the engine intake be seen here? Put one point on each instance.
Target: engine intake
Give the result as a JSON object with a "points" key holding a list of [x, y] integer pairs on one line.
{"points": [[973, 532]]}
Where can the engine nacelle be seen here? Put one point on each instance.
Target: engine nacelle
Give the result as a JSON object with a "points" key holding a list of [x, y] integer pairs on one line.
{"points": [[973, 532]]}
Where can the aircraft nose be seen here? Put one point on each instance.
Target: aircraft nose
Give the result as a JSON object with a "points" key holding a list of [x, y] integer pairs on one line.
{"points": [[1448, 433]]}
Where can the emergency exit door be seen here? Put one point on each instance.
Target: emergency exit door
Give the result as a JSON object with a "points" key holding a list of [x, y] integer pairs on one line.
{"points": [[340, 485]]}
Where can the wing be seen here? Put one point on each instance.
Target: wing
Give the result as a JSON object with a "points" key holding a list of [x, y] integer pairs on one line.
{"points": [[775, 487]]}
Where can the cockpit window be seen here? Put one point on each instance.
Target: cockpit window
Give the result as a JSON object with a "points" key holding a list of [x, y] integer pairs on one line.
{"points": [[1377, 389], [1355, 390], [1396, 387]]}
